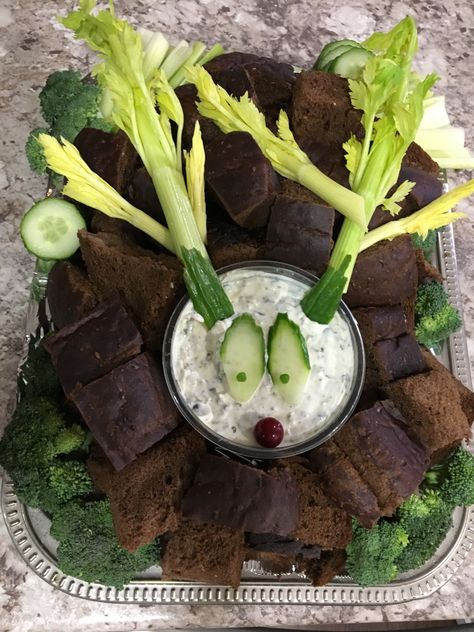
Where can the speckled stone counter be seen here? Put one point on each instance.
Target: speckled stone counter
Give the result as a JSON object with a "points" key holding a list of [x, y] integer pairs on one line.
{"points": [[32, 45]]}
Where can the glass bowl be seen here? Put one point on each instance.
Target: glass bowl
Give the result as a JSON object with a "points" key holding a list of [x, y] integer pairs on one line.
{"points": [[333, 421]]}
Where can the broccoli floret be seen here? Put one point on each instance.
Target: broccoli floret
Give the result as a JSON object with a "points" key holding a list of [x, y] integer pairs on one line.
{"points": [[34, 151], [372, 552], [453, 479], [435, 317], [426, 519], [88, 547], [68, 104], [70, 439], [69, 479], [38, 377], [426, 244], [32, 441]]}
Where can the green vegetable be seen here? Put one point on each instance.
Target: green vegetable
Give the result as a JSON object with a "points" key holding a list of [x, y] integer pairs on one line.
{"points": [[435, 317], [69, 479], [426, 519], [88, 547], [327, 55], [441, 140], [242, 356], [34, 151], [372, 554], [350, 63], [68, 105], [135, 99], [195, 183], [38, 377], [49, 229], [241, 115], [434, 215], [34, 442], [453, 478], [427, 244], [391, 101], [288, 359]]}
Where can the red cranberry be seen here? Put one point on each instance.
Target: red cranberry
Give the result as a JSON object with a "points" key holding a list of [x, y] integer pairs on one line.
{"points": [[269, 432]]}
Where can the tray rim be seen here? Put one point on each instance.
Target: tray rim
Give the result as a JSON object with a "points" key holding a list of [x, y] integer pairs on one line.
{"points": [[342, 591]]}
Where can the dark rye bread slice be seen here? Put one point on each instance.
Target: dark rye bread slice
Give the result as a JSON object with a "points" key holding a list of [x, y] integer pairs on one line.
{"points": [[377, 442], [228, 243], [465, 393], [94, 345], [431, 405], [240, 178], [344, 484], [227, 493], [320, 521], [278, 545], [321, 572], [203, 553], [397, 358], [149, 284], [385, 274], [69, 293], [380, 323], [113, 157], [128, 410], [426, 271], [391, 352], [321, 110], [278, 555], [145, 496], [269, 83], [300, 229]]}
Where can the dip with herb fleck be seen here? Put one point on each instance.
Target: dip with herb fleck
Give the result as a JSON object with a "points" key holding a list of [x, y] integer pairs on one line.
{"points": [[197, 372]]}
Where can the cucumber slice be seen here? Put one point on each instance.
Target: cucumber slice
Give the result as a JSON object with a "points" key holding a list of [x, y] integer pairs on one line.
{"points": [[329, 52], [350, 63], [288, 359], [243, 357], [49, 229]]}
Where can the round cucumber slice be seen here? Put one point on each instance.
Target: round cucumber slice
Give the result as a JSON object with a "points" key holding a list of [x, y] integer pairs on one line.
{"points": [[49, 229]]}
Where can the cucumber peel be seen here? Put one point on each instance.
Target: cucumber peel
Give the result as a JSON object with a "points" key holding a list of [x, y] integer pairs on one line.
{"points": [[331, 51], [288, 359], [242, 355]]}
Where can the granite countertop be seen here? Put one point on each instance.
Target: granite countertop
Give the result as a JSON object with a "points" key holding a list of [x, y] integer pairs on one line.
{"points": [[32, 45]]}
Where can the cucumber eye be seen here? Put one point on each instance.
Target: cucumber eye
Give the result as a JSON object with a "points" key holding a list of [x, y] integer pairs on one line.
{"points": [[288, 359], [242, 355]]}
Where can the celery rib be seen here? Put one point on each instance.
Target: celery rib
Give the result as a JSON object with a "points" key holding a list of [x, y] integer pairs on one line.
{"points": [[134, 100]]}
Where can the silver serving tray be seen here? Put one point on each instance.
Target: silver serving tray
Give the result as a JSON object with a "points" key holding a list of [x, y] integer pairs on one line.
{"points": [[29, 529]]}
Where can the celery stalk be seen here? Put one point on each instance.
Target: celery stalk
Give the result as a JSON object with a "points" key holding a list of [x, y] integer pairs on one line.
{"points": [[134, 101], [179, 77], [391, 101]]}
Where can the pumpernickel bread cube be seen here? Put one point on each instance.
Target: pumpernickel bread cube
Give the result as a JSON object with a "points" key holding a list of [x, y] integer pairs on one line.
{"points": [[145, 496], [206, 553]]}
